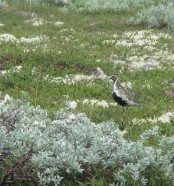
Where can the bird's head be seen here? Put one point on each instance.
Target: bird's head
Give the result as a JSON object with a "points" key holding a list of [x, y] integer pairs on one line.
{"points": [[114, 78]]}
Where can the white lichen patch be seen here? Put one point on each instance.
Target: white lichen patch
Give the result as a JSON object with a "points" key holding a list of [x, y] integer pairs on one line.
{"points": [[12, 38], [85, 45], [72, 79], [1, 25], [71, 104], [39, 21], [6, 98], [135, 62], [98, 60], [90, 102], [8, 38], [67, 38], [29, 50], [109, 41], [65, 2], [114, 59], [67, 30], [149, 48], [36, 39], [138, 62], [137, 38], [34, 71], [147, 86], [140, 38], [15, 69], [100, 103], [165, 118], [164, 56], [35, 21], [58, 23], [27, 14], [36, 46]]}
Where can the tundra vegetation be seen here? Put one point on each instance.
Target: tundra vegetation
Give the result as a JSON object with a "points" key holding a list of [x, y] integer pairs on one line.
{"points": [[58, 122]]}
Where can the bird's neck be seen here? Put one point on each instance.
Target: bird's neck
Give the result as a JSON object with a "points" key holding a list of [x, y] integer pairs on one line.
{"points": [[116, 84]]}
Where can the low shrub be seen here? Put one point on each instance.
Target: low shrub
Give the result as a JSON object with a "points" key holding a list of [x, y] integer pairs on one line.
{"points": [[160, 16], [110, 4], [34, 148]]}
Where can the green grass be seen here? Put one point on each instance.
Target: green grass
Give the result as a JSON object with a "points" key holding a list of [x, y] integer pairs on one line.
{"points": [[90, 29]]}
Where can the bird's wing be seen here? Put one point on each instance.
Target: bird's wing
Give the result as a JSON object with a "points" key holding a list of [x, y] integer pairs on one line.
{"points": [[125, 93]]}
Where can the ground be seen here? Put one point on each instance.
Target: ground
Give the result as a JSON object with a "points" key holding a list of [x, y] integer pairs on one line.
{"points": [[59, 56]]}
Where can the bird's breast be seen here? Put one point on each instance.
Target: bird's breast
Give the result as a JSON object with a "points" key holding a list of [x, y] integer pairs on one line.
{"points": [[119, 99]]}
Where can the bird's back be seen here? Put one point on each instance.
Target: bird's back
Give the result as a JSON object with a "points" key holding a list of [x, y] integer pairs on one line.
{"points": [[123, 96]]}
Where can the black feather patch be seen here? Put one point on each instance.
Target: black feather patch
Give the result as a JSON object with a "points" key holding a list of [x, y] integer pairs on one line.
{"points": [[119, 100]]}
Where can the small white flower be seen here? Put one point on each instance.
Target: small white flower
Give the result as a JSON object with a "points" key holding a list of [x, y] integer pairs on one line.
{"points": [[7, 98], [165, 118], [34, 71], [72, 117], [72, 105], [37, 23], [3, 72], [103, 103], [46, 78], [42, 124], [85, 101], [98, 60], [113, 104], [68, 171], [17, 69], [59, 23], [30, 40], [115, 35], [26, 50], [8, 37], [93, 101]]}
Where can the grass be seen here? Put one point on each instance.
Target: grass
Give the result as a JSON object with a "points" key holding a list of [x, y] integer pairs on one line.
{"points": [[76, 60], [80, 49]]}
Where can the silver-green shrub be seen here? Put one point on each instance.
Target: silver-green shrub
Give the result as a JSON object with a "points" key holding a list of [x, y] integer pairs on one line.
{"points": [[93, 4], [38, 149], [3, 4], [55, 2], [160, 16], [110, 4], [35, 2]]}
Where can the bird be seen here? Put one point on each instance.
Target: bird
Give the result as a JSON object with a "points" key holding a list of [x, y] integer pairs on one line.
{"points": [[121, 95]]}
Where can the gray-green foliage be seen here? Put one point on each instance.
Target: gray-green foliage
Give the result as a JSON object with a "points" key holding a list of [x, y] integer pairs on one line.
{"points": [[55, 2], [3, 4], [160, 16], [110, 4], [34, 2], [95, 4], [46, 151]]}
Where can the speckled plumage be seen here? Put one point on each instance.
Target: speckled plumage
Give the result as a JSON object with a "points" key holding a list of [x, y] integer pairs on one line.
{"points": [[121, 95]]}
